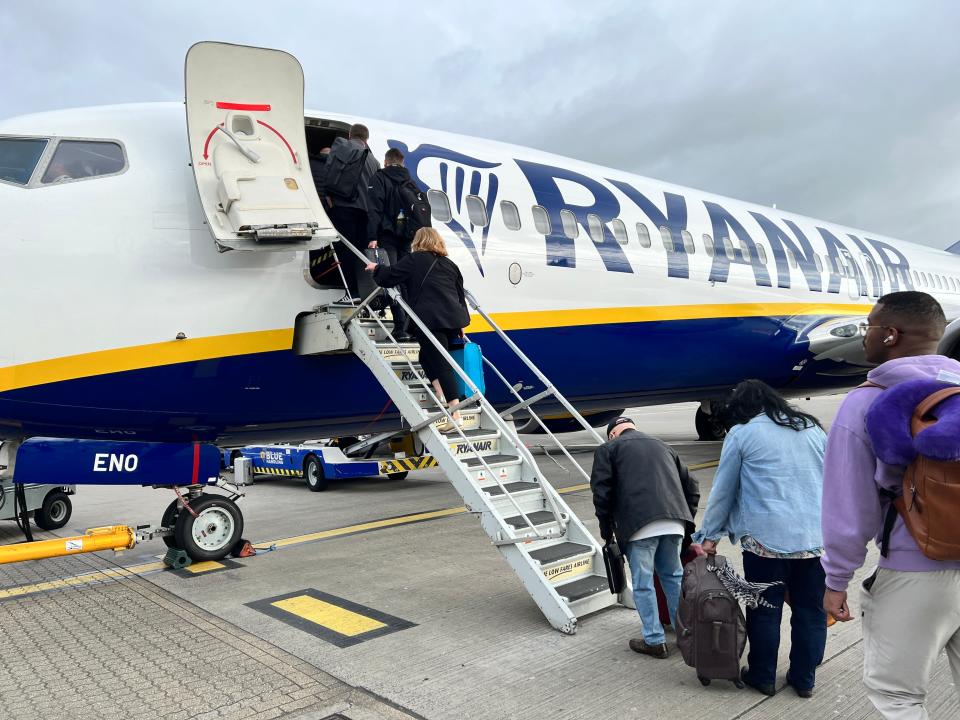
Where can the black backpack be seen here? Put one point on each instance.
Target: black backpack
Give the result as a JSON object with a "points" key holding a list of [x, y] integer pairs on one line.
{"points": [[415, 208], [342, 173]]}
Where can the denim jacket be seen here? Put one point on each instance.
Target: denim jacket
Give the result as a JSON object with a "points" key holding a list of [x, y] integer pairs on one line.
{"points": [[768, 486]]}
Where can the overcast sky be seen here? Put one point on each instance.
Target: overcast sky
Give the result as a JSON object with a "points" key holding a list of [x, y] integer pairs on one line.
{"points": [[844, 111]]}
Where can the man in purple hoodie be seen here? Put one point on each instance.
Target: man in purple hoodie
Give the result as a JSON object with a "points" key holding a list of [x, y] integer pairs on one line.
{"points": [[910, 604]]}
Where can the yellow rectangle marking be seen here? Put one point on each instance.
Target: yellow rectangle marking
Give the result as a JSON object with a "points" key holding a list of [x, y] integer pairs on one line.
{"points": [[204, 566], [345, 622]]}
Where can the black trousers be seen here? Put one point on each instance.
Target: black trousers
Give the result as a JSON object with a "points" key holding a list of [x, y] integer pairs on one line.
{"points": [[351, 223], [433, 363], [805, 581]]}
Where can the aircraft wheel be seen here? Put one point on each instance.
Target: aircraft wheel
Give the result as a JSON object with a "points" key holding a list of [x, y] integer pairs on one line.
{"points": [[313, 474], [213, 532], [55, 511], [708, 426], [399, 475], [169, 520]]}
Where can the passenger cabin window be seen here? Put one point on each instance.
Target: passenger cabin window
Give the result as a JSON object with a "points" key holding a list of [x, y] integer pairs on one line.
{"points": [[511, 215], [569, 222], [476, 211], [727, 247], [939, 284], [916, 278], [643, 235], [439, 205], [541, 220], [762, 254], [818, 261], [80, 159], [708, 245], [619, 231], [595, 226], [19, 158], [667, 238], [688, 242]]}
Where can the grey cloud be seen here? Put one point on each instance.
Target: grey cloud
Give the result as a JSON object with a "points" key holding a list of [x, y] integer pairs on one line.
{"points": [[846, 112]]}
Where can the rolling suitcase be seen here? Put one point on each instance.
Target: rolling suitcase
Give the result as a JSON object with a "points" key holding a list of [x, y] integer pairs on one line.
{"points": [[711, 628]]}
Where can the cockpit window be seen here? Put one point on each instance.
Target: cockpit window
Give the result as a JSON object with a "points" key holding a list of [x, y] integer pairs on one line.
{"points": [[76, 159], [19, 158]]}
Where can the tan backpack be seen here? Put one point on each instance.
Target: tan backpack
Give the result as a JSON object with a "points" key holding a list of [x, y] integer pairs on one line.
{"points": [[930, 499]]}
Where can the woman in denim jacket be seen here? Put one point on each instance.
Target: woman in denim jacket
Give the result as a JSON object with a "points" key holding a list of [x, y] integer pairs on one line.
{"points": [[766, 496]]}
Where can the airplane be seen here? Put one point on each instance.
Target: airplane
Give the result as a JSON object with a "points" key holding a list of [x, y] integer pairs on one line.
{"points": [[138, 308]]}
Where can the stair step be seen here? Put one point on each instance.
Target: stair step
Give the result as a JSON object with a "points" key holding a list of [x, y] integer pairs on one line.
{"points": [[583, 587], [561, 551], [539, 517], [492, 461], [513, 487]]}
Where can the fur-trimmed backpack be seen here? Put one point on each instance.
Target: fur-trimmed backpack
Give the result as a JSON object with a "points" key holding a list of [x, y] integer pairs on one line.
{"points": [[916, 424]]}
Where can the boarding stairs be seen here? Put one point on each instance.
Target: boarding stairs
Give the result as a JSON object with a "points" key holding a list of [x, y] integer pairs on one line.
{"points": [[556, 557]]}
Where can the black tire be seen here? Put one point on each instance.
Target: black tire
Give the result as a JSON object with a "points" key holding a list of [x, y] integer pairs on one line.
{"points": [[213, 533], [708, 426], [55, 511], [703, 681], [169, 520], [313, 474], [399, 475]]}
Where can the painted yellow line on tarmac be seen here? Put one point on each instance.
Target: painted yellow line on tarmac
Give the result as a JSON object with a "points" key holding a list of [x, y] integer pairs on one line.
{"points": [[84, 579], [333, 617], [362, 527]]}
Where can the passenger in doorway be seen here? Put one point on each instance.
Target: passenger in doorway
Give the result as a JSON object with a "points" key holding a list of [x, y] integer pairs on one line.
{"points": [[387, 224], [910, 604], [644, 494], [766, 495], [343, 184], [435, 292]]}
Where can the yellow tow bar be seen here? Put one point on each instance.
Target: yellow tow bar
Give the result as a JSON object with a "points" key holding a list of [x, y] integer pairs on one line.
{"points": [[117, 537]]}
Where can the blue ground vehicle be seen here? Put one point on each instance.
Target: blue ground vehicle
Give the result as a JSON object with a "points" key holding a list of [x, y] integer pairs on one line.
{"points": [[318, 463]]}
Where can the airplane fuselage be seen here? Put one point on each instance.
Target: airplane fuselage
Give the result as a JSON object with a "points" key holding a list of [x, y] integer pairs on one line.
{"points": [[103, 274]]}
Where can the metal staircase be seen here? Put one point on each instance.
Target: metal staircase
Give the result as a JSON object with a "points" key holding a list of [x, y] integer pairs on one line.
{"points": [[555, 556]]}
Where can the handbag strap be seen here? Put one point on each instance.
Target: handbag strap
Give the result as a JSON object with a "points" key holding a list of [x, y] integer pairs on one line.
{"points": [[426, 275]]}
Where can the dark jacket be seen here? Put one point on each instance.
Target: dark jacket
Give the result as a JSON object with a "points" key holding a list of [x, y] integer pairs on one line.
{"points": [[436, 295], [637, 479], [342, 146], [383, 203]]}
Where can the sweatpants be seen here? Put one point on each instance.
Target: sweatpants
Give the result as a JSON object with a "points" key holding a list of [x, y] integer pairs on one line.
{"points": [[909, 618]]}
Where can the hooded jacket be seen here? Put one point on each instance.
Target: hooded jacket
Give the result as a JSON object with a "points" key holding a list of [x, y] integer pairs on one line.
{"points": [[853, 510], [383, 202]]}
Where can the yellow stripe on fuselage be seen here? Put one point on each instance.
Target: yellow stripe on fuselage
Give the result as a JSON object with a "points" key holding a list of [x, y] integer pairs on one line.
{"points": [[105, 362]]}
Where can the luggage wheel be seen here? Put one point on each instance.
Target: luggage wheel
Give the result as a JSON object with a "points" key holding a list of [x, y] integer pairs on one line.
{"points": [[703, 681]]}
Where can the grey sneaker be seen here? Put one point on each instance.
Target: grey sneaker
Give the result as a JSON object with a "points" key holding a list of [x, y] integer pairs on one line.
{"points": [[639, 645]]}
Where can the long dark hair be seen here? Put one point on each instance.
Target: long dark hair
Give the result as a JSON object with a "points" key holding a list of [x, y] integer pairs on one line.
{"points": [[752, 397]]}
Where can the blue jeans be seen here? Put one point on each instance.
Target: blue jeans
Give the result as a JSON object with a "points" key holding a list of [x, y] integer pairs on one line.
{"points": [[660, 555], [804, 580]]}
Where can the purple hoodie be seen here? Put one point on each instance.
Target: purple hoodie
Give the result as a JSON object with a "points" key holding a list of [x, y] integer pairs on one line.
{"points": [[852, 476]]}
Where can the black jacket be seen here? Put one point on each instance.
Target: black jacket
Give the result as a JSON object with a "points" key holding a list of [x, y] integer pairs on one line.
{"points": [[436, 295], [383, 202], [637, 479]]}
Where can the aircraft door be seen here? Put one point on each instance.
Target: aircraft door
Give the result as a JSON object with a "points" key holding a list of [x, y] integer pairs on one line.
{"points": [[248, 149]]}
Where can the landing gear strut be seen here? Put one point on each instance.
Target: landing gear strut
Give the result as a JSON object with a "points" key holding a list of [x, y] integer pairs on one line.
{"points": [[708, 423]]}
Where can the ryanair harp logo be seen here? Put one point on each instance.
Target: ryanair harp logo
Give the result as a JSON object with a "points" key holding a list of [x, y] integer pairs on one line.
{"points": [[458, 176]]}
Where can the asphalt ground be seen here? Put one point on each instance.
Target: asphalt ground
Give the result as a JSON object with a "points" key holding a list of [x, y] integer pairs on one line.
{"points": [[376, 598]]}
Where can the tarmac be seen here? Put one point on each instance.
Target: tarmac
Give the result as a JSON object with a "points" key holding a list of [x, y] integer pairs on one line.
{"points": [[374, 599]]}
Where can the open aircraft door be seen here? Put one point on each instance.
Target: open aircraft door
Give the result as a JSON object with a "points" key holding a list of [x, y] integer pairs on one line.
{"points": [[248, 149]]}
